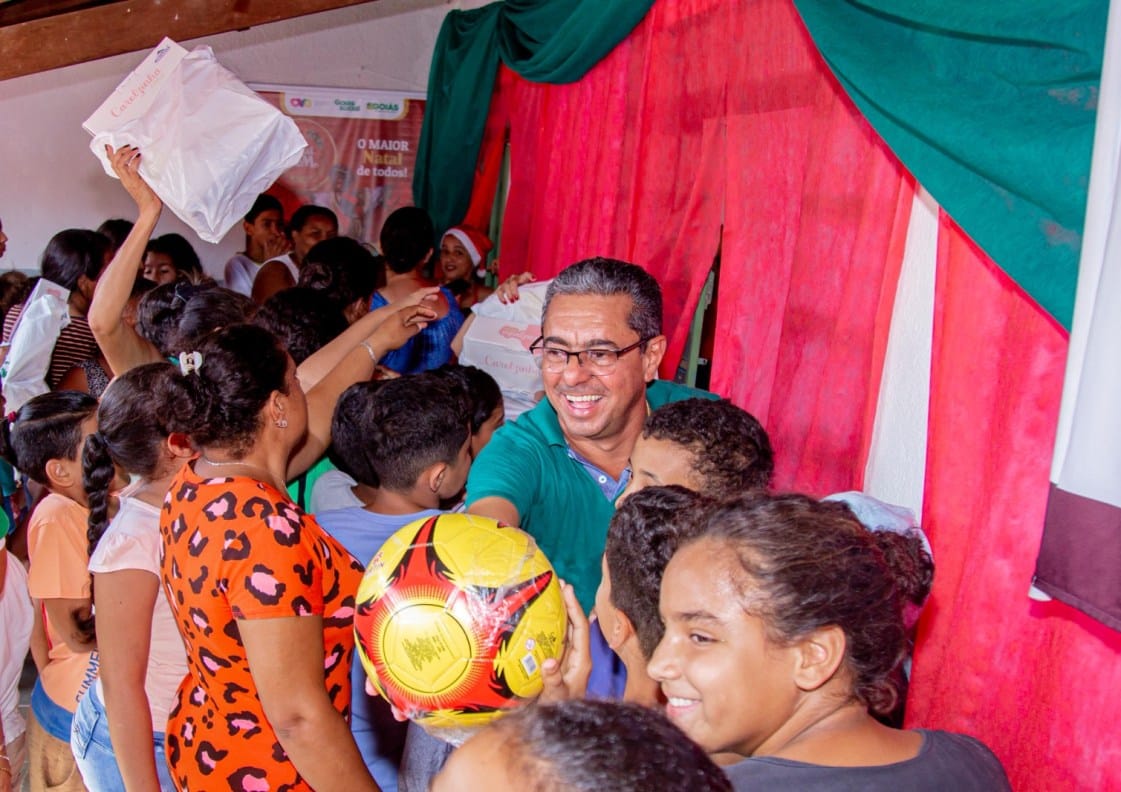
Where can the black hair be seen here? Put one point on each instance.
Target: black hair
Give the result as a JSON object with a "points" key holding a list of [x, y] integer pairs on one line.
{"points": [[406, 237], [220, 403], [483, 392], [14, 289], [209, 309], [643, 535], [301, 216], [349, 449], [593, 746], [159, 311], [812, 564], [116, 230], [131, 430], [343, 269], [264, 203], [71, 254], [731, 451], [47, 427], [182, 254], [404, 425], [305, 320]]}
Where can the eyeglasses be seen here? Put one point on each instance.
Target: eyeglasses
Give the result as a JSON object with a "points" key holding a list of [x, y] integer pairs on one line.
{"points": [[600, 361]]}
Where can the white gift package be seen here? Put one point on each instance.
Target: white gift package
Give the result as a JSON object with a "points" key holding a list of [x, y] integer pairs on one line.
{"points": [[209, 144], [44, 315], [498, 342]]}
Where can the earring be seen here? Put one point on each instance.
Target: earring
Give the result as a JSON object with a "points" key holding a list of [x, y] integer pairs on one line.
{"points": [[282, 422]]}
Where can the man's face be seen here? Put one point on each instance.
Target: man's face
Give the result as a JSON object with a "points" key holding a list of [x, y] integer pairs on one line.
{"points": [[590, 404]]}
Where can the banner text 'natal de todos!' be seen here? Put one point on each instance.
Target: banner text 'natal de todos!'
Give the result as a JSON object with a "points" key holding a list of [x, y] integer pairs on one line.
{"points": [[361, 152]]}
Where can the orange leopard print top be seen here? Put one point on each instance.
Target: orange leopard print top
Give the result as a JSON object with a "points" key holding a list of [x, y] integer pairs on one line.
{"points": [[235, 548]]}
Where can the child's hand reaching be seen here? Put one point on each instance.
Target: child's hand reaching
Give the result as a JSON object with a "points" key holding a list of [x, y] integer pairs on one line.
{"points": [[568, 678]]}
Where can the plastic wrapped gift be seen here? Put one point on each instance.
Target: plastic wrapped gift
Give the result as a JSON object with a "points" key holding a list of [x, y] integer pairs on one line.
{"points": [[210, 144]]}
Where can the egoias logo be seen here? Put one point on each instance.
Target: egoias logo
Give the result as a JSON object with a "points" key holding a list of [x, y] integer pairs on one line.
{"points": [[298, 102], [385, 106]]}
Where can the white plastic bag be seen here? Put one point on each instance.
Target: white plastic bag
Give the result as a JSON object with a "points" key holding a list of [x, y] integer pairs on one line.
{"points": [[25, 368], [498, 342], [210, 144]]}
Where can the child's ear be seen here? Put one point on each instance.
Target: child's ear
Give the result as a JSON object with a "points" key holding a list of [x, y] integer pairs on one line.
{"points": [[179, 445], [356, 310], [622, 629], [818, 656], [434, 475], [59, 474]]}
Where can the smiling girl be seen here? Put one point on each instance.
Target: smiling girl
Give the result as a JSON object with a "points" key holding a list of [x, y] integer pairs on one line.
{"points": [[784, 622]]}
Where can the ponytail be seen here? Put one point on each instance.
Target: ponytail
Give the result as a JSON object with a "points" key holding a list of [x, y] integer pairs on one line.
{"points": [[908, 562], [98, 472], [216, 397]]}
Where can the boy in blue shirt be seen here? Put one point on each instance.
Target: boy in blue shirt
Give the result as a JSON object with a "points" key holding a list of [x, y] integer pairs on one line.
{"points": [[416, 451]]}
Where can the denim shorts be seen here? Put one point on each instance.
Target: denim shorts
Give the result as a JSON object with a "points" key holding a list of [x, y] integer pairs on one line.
{"points": [[93, 749]]}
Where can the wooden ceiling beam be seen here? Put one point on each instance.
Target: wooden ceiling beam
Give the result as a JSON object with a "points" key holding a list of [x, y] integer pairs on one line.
{"points": [[136, 25]]}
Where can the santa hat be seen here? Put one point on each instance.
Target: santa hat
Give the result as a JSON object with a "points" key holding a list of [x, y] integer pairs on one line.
{"points": [[476, 243]]}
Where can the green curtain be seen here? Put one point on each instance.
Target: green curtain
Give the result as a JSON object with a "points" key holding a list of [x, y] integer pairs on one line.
{"points": [[991, 106], [552, 41]]}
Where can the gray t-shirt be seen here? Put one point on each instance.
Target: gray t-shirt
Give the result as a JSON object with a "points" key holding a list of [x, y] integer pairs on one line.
{"points": [[946, 761]]}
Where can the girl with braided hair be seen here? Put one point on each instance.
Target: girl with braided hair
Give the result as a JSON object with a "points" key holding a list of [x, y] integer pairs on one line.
{"points": [[143, 659]]}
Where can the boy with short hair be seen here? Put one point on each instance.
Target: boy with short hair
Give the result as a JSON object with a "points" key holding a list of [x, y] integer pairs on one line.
{"points": [[264, 240], [708, 446], [644, 533], [416, 451], [582, 746]]}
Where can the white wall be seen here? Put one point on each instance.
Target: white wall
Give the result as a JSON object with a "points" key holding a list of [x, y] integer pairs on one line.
{"points": [[49, 179]]}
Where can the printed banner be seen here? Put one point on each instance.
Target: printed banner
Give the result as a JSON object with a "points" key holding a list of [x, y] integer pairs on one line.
{"points": [[360, 157]]}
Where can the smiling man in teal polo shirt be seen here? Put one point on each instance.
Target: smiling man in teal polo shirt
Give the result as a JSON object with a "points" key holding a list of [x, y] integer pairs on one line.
{"points": [[557, 470]]}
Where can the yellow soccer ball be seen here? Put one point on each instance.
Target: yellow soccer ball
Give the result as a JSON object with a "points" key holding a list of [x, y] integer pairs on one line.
{"points": [[455, 615]]}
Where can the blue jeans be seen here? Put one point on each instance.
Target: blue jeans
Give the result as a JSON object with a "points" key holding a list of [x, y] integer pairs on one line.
{"points": [[93, 749]]}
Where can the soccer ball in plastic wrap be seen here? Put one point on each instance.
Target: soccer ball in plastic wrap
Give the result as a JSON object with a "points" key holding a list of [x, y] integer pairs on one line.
{"points": [[455, 615]]}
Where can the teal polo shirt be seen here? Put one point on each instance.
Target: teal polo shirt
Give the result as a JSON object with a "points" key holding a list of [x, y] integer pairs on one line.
{"points": [[527, 462]]}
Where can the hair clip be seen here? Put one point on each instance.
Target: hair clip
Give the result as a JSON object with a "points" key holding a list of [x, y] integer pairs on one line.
{"points": [[190, 362], [183, 293]]}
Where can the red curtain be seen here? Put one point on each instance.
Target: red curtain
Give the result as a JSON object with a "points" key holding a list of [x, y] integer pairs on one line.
{"points": [[817, 208], [716, 114], [1035, 681], [656, 148], [626, 163]]}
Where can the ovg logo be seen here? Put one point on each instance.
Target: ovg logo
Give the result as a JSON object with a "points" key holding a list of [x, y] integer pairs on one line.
{"points": [[296, 101]]}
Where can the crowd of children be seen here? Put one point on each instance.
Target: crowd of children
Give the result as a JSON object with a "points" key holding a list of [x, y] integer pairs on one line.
{"points": [[198, 515]]}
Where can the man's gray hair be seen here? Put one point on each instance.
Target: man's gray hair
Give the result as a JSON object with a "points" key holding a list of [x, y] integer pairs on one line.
{"points": [[606, 277]]}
